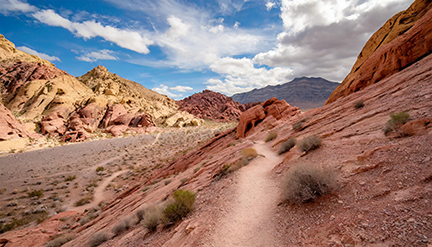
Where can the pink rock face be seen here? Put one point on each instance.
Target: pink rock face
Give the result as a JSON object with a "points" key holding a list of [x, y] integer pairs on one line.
{"points": [[112, 114], [212, 105], [10, 128], [87, 118], [53, 125], [75, 136], [272, 107]]}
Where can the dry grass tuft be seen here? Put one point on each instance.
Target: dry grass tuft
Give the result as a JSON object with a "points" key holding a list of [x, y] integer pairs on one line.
{"points": [[183, 204], [152, 218], [98, 239], [121, 227], [271, 136], [286, 146], [309, 143]]}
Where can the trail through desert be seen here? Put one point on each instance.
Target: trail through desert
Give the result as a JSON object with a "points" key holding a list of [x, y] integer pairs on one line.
{"points": [[248, 221]]}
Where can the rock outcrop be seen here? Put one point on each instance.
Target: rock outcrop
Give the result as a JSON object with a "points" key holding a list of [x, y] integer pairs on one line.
{"points": [[271, 108], [10, 128], [403, 40], [212, 105], [304, 92]]}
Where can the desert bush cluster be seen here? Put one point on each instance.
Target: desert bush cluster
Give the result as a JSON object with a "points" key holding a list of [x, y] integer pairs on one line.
{"points": [[395, 123], [309, 143], [304, 183], [287, 145], [270, 136], [359, 104], [299, 125], [98, 239]]}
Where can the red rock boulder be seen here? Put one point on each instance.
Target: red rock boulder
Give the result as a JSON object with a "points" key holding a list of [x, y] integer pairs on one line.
{"points": [[53, 125], [10, 128]]}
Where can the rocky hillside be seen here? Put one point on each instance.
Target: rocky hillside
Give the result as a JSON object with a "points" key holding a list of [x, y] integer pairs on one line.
{"points": [[304, 92], [212, 105], [52, 102], [410, 31]]}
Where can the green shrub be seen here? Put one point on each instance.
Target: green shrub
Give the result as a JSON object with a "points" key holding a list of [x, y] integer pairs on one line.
{"points": [[121, 227], [271, 136], [152, 218], [183, 204], [100, 169], [38, 193], [304, 183], [98, 239], [359, 104], [286, 146], [309, 143], [395, 122]]}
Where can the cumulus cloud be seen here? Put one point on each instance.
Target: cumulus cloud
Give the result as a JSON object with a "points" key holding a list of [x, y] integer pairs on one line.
{"points": [[41, 55], [163, 89], [241, 75], [269, 5], [97, 55], [181, 88], [128, 39], [8, 6]]}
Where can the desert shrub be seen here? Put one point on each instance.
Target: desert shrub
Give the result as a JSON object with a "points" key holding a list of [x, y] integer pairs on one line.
{"points": [[395, 122], [152, 218], [249, 153], [271, 136], [182, 205], [359, 104], [299, 125], [84, 200], [286, 146], [70, 178], [309, 143], [98, 239], [38, 193], [168, 181], [121, 227], [100, 169], [59, 241], [304, 183], [140, 214]]}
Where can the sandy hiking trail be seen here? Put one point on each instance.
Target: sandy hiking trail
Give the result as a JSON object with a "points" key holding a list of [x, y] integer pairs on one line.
{"points": [[248, 220]]}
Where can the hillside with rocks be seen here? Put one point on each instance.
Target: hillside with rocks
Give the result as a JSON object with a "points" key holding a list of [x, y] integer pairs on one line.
{"points": [[305, 92], [354, 172], [51, 102], [212, 105]]}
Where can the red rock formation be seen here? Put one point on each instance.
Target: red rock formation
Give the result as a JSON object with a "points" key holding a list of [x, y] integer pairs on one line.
{"points": [[10, 128], [272, 107], [53, 125], [403, 40], [212, 105], [87, 118]]}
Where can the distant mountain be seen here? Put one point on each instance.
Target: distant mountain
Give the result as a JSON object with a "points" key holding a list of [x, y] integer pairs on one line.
{"points": [[304, 92]]}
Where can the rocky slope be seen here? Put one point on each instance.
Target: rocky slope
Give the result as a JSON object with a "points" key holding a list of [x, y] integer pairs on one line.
{"points": [[49, 99], [212, 105], [403, 40], [304, 92]]}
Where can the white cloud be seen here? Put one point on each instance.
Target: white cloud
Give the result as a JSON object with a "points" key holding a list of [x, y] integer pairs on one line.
{"points": [[128, 39], [163, 89], [181, 88], [97, 55], [41, 55], [7, 6], [269, 5], [241, 75], [178, 27], [217, 29], [236, 24]]}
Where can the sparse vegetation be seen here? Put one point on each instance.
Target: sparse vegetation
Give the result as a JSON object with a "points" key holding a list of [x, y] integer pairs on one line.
{"points": [[182, 205], [152, 218], [287, 145], [299, 125], [271, 136], [304, 183], [70, 178], [59, 241], [121, 227], [84, 200], [98, 238], [100, 169], [168, 181], [359, 104], [38, 193], [309, 143], [395, 123], [249, 153]]}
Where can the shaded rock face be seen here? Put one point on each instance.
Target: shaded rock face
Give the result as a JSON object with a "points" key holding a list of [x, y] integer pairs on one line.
{"points": [[10, 128], [304, 92], [255, 115], [403, 40], [212, 105]]}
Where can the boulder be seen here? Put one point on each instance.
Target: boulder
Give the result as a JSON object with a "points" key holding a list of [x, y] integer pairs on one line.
{"points": [[10, 128], [53, 125], [87, 118]]}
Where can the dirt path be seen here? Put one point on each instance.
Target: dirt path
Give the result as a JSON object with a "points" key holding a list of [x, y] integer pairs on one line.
{"points": [[248, 221]]}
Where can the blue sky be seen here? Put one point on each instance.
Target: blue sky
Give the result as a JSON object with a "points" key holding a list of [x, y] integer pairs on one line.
{"points": [[180, 47]]}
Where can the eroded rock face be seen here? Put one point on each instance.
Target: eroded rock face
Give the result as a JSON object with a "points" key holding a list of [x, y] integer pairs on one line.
{"points": [[212, 105], [53, 125], [403, 40], [10, 128], [272, 107]]}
